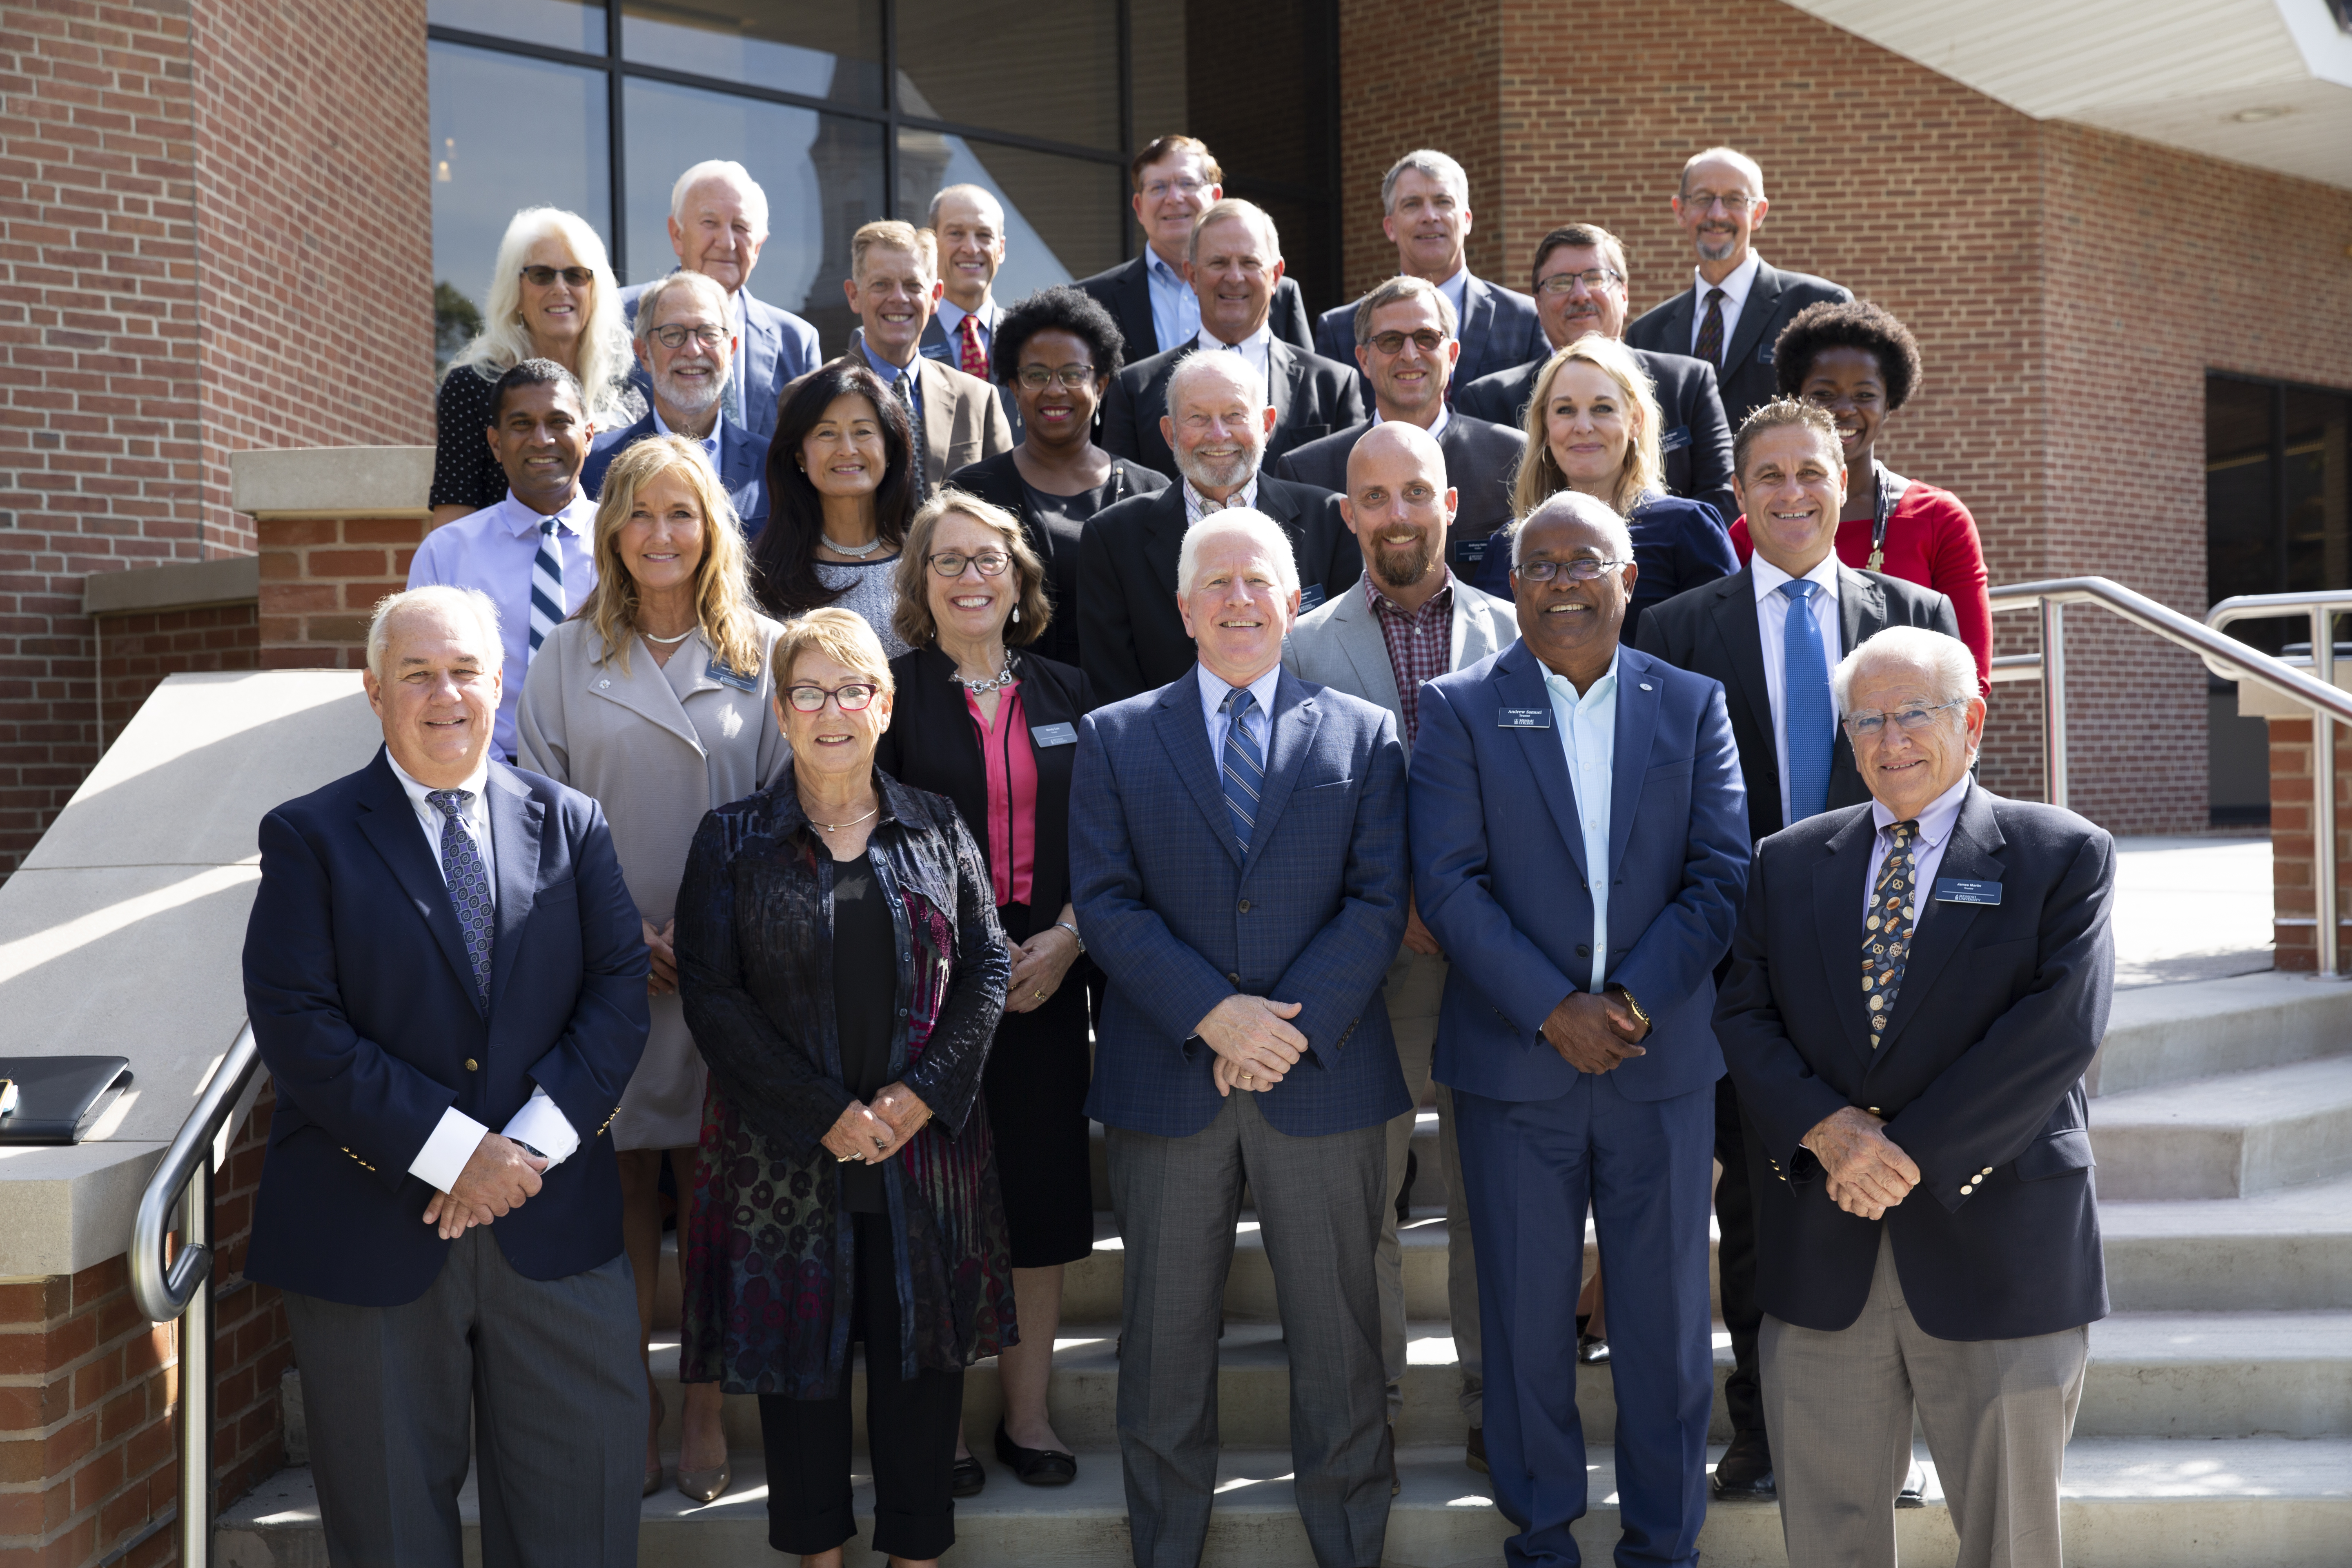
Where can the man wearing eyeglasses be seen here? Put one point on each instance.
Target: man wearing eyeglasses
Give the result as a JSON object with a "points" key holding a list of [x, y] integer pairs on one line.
{"points": [[687, 351], [1580, 847], [1929, 1227], [1738, 302], [1406, 347], [1772, 633], [1580, 288]]}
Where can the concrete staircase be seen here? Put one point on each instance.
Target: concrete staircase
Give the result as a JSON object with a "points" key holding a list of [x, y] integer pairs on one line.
{"points": [[2216, 1423]]}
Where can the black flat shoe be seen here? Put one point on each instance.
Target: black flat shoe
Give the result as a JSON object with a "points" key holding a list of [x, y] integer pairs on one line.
{"points": [[1592, 1350], [967, 1478], [1035, 1467], [1744, 1474]]}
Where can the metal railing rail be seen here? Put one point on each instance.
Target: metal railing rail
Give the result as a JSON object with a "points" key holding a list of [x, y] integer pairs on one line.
{"points": [[181, 1290], [2224, 656]]}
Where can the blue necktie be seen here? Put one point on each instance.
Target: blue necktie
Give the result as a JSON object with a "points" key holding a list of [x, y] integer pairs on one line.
{"points": [[469, 885], [1812, 727], [1245, 764]]}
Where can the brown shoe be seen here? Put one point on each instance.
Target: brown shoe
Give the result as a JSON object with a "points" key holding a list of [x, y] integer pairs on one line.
{"points": [[1475, 1456]]}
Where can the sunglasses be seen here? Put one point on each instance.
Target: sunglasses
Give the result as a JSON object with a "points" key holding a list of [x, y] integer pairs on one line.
{"points": [[577, 276]]}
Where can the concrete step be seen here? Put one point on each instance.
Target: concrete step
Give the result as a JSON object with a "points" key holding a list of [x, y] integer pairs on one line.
{"points": [[2288, 1250], [2170, 1034], [2130, 1504], [2227, 1137]]}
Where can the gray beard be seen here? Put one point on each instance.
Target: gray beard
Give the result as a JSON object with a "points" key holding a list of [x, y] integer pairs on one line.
{"points": [[1722, 252], [1233, 474], [691, 398]]}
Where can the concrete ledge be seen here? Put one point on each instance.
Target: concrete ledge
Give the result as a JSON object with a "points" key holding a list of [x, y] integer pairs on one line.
{"points": [[181, 586], [2165, 1034], [331, 481], [64, 1209]]}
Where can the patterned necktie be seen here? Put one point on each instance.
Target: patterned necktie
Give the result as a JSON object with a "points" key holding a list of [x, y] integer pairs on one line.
{"points": [[731, 395], [974, 361], [1245, 764], [546, 585], [1886, 934], [469, 885], [1811, 728], [1710, 331], [905, 387]]}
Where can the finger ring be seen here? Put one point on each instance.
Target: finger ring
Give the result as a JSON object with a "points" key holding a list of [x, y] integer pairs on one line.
{"points": [[1041, 995], [843, 1158]]}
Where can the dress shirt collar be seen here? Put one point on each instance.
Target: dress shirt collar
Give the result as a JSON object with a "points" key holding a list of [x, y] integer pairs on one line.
{"points": [[578, 517], [1198, 506], [710, 443], [882, 367], [1444, 417], [1770, 577], [1935, 822], [1252, 348], [952, 315], [1564, 691], [1214, 687], [1735, 287], [476, 784], [1158, 267], [1457, 290], [1376, 596]]}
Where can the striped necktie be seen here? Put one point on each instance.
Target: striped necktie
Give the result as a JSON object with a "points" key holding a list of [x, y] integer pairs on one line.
{"points": [[1245, 764], [1886, 934], [1710, 331], [546, 584]]}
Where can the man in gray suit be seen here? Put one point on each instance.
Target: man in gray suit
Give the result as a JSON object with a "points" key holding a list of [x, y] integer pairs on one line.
{"points": [[1406, 342], [1413, 620]]}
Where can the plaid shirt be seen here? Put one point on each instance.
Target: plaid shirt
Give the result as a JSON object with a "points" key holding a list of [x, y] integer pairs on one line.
{"points": [[1421, 644]]}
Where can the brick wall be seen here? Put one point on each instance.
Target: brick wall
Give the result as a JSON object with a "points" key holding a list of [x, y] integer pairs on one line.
{"points": [[320, 578], [89, 1464], [2293, 882], [137, 650]]}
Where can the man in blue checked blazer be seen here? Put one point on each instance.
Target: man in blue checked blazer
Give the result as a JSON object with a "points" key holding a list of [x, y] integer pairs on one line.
{"points": [[1237, 860], [1579, 848]]}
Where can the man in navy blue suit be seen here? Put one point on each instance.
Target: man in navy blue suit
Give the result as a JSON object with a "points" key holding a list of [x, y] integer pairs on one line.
{"points": [[1237, 861], [445, 973], [1579, 848], [686, 348]]}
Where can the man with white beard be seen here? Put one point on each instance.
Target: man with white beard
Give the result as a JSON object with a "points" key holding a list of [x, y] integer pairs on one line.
{"points": [[686, 344]]}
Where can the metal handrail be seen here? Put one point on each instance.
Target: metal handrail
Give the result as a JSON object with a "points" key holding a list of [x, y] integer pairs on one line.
{"points": [[185, 1180]]}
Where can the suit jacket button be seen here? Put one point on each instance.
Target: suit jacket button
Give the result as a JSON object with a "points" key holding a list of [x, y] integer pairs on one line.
{"points": [[1232, 980], [1244, 905], [1965, 1188], [1873, 1111], [473, 1066]]}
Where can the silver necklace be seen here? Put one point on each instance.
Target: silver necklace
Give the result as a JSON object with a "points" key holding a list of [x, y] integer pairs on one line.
{"points": [[983, 685], [861, 551], [836, 826], [667, 641]]}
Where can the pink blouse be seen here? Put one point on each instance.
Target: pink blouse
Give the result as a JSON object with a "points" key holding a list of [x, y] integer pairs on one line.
{"points": [[1011, 762]]}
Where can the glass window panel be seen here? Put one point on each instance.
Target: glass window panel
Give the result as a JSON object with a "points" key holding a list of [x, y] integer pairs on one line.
{"points": [[2242, 545], [1046, 72], [2316, 492], [821, 174], [509, 132], [832, 51], [1062, 216], [1156, 38], [557, 23]]}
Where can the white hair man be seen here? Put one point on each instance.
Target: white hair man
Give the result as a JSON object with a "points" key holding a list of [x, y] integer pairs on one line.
{"points": [[718, 223], [1239, 787], [686, 344], [441, 946], [1928, 1230], [1425, 212]]}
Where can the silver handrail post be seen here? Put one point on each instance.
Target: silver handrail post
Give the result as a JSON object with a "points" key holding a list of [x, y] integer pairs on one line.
{"points": [[2054, 700], [2322, 792], [196, 1381]]}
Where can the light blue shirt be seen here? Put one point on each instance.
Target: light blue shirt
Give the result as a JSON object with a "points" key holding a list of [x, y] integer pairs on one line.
{"points": [[1587, 738], [1259, 727], [1936, 825], [1175, 309], [951, 316], [710, 443]]}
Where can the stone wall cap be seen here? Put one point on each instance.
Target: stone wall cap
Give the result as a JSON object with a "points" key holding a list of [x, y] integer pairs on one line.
{"points": [[331, 481], [176, 585]]}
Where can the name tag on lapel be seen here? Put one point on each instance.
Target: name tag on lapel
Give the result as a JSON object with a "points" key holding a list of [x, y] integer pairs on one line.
{"points": [[1053, 734], [1960, 890], [1309, 596], [1470, 551], [726, 676], [1764, 354], [1675, 439], [1523, 718]]}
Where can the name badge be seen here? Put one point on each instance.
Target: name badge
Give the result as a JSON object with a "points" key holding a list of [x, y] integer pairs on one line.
{"points": [[1764, 354], [1523, 718], [1470, 551], [1960, 890], [1675, 439], [1309, 596], [1053, 734], [726, 676]]}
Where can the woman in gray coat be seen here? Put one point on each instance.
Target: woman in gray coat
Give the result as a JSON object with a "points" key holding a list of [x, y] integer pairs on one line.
{"points": [[655, 697]]}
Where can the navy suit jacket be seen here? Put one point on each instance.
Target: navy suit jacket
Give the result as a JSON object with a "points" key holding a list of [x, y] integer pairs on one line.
{"points": [[1125, 290], [1312, 397], [778, 347], [1480, 461], [1695, 438], [1498, 329], [1747, 379], [742, 461], [362, 999], [1979, 1073], [1499, 872], [1180, 918]]}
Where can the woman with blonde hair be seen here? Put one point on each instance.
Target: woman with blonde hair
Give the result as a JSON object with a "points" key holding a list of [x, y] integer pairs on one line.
{"points": [[1593, 425], [657, 699], [552, 296]]}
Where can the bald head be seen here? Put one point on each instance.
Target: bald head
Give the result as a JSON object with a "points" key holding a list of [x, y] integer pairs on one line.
{"points": [[1400, 507]]}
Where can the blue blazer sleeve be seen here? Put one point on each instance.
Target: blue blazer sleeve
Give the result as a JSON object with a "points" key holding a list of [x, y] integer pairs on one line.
{"points": [[1336, 972], [1778, 1086], [1688, 938], [591, 1062]]}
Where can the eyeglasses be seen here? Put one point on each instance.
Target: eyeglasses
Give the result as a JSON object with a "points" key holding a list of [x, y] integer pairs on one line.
{"points": [[853, 698], [1735, 204], [1864, 726], [1036, 377], [1583, 569], [1594, 279], [577, 276], [950, 563], [1394, 342], [675, 336], [1159, 188]]}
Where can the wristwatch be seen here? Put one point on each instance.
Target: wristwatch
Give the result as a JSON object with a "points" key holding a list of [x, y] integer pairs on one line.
{"points": [[1064, 925], [1636, 1007]]}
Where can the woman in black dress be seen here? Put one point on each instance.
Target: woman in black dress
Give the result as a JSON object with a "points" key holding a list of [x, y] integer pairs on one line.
{"points": [[1057, 350], [996, 732]]}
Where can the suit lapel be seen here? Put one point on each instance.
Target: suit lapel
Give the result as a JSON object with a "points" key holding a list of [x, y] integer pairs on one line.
{"points": [[1163, 538], [1296, 717], [1972, 853], [1185, 736], [1861, 609], [516, 820], [939, 417], [1838, 892], [762, 346], [1361, 639], [1519, 683], [1477, 316], [391, 824], [1736, 623], [1638, 699], [645, 691], [1285, 368], [1761, 304]]}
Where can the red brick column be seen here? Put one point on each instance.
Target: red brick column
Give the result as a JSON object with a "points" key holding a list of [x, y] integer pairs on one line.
{"points": [[2294, 868]]}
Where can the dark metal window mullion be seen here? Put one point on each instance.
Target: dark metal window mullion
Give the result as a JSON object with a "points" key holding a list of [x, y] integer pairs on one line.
{"points": [[1126, 114], [889, 108], [617, 138]]}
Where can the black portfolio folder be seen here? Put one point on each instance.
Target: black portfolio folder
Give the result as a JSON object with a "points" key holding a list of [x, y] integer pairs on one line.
{"points": [[57, 1097]]}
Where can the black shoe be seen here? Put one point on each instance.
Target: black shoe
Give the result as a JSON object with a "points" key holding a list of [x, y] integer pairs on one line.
{"points": [[1396, 1482], [1404, 1193], [1915, 1488], [1035, 1467], [1744, 1474], [1475, 1455], [1592, 1350], [966, 1478]]}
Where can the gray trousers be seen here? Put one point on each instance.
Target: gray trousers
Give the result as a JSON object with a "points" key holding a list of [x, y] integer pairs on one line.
{"points": [[1415, 984], [1996, 1414], [1317, 1207], [545, 1371]]}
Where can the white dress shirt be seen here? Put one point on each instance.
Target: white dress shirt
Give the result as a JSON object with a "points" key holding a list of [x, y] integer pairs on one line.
{"points": [[1456, 291], [1437, 428], [1255, 348], [1588, 739], [1772, 625], [1175, 309], [538, 1123], [1736, 290], [1936, 825], [1260, 725], [1197, 506]]}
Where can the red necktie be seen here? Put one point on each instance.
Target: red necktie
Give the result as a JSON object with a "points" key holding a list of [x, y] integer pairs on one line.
{"points": [[974, 361]]}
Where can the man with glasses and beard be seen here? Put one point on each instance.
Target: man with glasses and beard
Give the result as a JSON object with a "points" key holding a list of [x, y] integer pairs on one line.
{"points": [[687, 351], [1131, 636], [1412, 621]]}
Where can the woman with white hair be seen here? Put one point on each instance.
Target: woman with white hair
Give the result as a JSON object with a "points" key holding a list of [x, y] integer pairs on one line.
{"points": [[552, 296]]}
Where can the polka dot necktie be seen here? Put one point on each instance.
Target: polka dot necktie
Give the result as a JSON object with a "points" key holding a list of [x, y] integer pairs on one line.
{"points": [[1710, 331], [1887, 930], [469, 885]]}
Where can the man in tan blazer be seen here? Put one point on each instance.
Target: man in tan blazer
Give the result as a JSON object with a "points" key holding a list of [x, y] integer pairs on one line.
{"points": [[894, 285], [1410, 620]]}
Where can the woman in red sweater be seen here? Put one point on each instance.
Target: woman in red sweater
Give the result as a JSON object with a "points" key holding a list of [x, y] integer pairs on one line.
{"points": [[1862, 365]]}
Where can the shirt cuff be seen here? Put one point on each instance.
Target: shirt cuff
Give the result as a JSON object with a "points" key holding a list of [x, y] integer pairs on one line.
{"points": [[443, 1159], [545, 1128]]}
